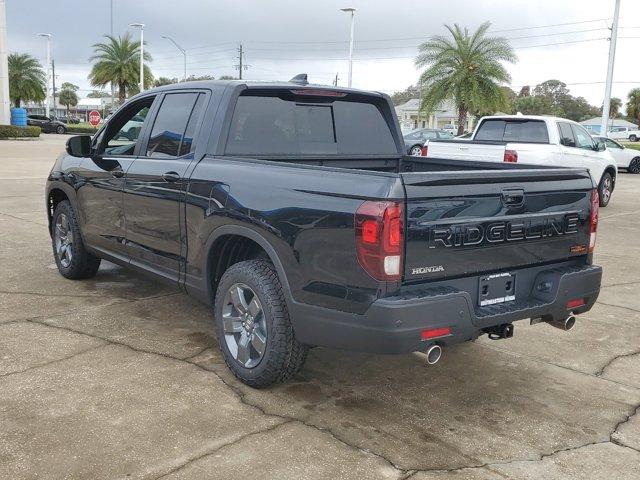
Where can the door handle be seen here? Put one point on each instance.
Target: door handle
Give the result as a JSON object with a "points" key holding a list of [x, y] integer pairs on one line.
{"points": [[171, 177], [117, 172]]}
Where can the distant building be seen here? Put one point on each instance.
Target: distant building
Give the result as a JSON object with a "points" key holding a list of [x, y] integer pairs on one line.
{"points": [[445, 114], [593, 124]]}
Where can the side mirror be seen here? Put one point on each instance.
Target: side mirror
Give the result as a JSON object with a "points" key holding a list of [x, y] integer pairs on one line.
{"points": [[600, 146], [79, 146]]}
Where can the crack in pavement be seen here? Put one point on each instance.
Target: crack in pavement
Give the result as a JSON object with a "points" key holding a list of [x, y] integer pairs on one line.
{"points": [[65, 295], [406, 472], [223, 446], [51, 362], [617, 357], [24, 219], [599, 302], [619, 284]]}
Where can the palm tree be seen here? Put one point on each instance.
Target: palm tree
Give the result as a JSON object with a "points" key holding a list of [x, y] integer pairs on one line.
{"points": [[27, 80], [633, 106], [118, 62], [614, 107], [466, 68]]}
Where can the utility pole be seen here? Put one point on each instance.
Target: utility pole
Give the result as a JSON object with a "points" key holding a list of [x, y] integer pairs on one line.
{"points": [[335, 81], [53, 80], [48, 102], [141, 25], [5, 105], [612, 56], [352, 11], [113, 89], [240, 59]]}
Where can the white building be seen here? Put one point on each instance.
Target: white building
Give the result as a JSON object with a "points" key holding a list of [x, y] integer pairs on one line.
{"points": [[446, 114]]}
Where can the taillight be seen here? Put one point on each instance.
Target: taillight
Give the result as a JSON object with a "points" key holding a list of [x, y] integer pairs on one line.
{"points": [[595, 206], [379, 230], [424, 151], [510, 156], [575, 303]]}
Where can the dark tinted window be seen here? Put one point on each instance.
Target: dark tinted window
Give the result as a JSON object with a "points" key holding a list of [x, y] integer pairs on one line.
{"points": [[566, 135], [170, 125], [275, 126], [188, 145], [524, 131]]}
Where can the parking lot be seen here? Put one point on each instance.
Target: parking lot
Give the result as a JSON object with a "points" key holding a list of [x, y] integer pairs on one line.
{"points": [[120, 377]]}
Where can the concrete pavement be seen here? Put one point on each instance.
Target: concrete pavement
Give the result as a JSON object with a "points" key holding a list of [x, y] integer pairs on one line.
{"points": [[120, 377]]}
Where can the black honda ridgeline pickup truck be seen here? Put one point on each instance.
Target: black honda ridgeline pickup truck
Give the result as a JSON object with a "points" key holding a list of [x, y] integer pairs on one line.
{"points": [[294, 212]]}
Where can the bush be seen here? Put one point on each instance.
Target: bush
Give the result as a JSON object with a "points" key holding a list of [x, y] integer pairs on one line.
{"points": [[81, 130], [11, 131]]}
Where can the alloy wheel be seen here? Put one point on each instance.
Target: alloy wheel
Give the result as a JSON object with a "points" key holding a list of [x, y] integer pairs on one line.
{"points": [[244, 323], [63, 238]]}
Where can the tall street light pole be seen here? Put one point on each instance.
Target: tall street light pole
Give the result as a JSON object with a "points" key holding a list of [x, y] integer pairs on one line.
{"points": [[352, 11], [184, 55], [48, 37], [612, 57], [113, 88], [141, 25], [5, 105]]}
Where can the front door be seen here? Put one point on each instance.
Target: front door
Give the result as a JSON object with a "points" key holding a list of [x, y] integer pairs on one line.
{"points": [[100, 181], [154, 186]]}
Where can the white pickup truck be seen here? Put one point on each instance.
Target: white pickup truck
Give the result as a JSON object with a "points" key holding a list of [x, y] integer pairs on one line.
{"points": [[534, 140], [624, 133]]}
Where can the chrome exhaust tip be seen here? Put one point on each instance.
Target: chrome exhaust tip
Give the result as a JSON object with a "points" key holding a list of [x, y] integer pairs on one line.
{"points": [[433, 353], [566, 324]]}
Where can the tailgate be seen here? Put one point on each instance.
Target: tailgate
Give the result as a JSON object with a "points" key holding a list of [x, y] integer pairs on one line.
{"points": [[463, 223], [466, 150]]}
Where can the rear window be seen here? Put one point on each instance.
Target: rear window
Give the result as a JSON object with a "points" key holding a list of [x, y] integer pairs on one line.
{"points": [[523, 131], [271, 125]]}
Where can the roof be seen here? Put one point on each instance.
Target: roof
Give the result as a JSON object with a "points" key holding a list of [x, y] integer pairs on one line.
{"points": [[446, 108], [616, 122]]}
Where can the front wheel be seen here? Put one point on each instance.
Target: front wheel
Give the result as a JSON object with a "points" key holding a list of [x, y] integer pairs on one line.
{"points": [[253, 326], [605, 189], [72, 259], [60, 130], [634, 166]]}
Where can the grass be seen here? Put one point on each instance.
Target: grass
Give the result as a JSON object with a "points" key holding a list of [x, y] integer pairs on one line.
{"points": [[633, 145]]}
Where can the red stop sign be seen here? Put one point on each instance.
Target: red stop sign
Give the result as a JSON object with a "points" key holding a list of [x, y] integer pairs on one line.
{"points": [[94, 117]]}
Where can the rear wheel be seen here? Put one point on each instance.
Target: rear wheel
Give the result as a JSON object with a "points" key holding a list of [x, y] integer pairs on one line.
{"points": [[253, 327], [415, 151], [605, 189], [72, 259], [60, 129], [633, 138], [634, 166]]}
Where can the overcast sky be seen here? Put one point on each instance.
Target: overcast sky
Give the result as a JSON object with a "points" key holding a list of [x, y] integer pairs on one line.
{"points": [[284, 37]]}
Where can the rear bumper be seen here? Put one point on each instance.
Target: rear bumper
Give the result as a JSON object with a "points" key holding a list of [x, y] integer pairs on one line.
{"points": [[394, 324]]}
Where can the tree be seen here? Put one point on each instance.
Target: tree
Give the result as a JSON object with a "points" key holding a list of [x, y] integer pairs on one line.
{"points": [[532, 105], [68, 95], [614, 107], [27, 80], [227, 77], [118, 62], [466, 67], [525, 91], [161, 81], [633, 106], [98, 94], [194, 78], [398, 98]]}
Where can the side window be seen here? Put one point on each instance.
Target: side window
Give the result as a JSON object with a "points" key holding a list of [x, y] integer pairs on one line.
{"points": [[491, 130], [445, 134], [611, 144], [583, 139], [566, 135], [188, 144], [122, 132], [430, 135], [170, 125]]}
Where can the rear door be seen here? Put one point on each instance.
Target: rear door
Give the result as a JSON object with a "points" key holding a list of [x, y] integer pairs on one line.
{"points": [[154, 184], [578, 149], [467, 223]]}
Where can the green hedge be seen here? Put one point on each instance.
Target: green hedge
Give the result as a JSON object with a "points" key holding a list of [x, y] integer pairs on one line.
{"points": [[81, 130], [11, 131]]}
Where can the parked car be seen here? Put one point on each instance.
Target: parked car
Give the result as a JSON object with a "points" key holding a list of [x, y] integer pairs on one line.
{"points": [[69, 120], [626, 158], [47, 124], [295, 213], [534, 140], [414, 141], [451, 128], [624, 133]]}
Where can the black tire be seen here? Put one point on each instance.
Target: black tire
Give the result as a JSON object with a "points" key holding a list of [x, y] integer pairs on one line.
{"points": [[634, 166], [60, 130], [633, 138], [283, 355], [605, 189], [80, 264]]}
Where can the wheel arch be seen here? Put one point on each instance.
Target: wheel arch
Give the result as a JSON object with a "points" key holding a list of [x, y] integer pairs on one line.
{"points": [[56, 193], [230, 244]]}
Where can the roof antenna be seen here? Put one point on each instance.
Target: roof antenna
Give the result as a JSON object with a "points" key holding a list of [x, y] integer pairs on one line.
{"points": [[300, 79]]}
